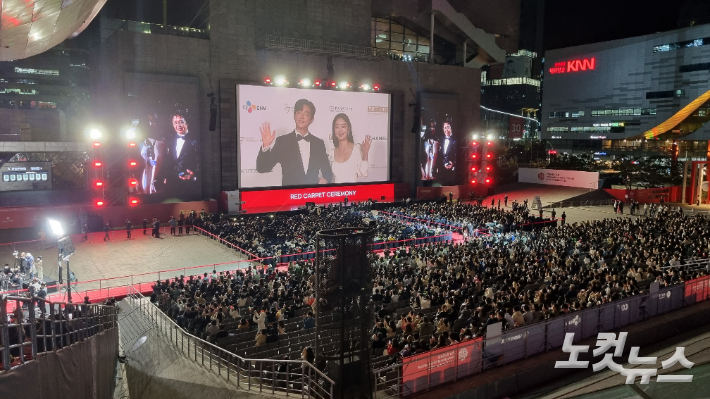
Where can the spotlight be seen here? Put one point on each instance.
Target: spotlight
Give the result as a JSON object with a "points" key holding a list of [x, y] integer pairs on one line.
{"points": [[95, 134], [376, 87], [317, 83], [473, 182], [134, 201], [474, 156], [132, 144], [475, 137], [56, 227], [99, 184], [97, 163], [333, 84], [365, 86], [343, 85], [267, 81], [490, 143], [473, 169], [305, 83], [488, 168], [132, 163], [99, 203], [489, 181], [489, 155], [280, 81], [97, 144], [130, 133], [491, 137], [133, 182], [475, 143]]}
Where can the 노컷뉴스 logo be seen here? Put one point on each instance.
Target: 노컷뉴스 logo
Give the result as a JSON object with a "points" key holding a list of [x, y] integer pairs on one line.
{"points": [[463, 354], [248, 139], [607, 340], [249, 107], [541, 176]]}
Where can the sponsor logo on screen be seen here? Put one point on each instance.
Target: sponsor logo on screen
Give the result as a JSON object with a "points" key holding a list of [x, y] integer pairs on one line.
{"points": [[340, 109], [248, 139], [377, 109], [249, 107], [380, 138], [249, 171]]}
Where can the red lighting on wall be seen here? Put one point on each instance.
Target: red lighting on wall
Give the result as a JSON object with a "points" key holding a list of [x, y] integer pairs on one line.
{"points": [[132, 163], [488, 181], [584, 64], [489, 155], [99, 184], [99, 203], [474, 156], [488, 168], [473, 169], [473, 182], [97, 164], [97, 144]]}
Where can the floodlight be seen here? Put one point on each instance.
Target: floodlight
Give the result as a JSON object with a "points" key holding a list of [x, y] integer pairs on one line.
{"points": [[131, 133], [95, 134], [56, 227]]}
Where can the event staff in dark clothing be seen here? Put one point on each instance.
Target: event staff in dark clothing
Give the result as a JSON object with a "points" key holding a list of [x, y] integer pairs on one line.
{"points": [[156, 228], [145, 226], [106, 237], [129, 226]]}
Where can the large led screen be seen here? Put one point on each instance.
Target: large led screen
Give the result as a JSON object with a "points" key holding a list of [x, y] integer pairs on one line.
{"points": [[439, 140], [165, 117], [302, 137]]}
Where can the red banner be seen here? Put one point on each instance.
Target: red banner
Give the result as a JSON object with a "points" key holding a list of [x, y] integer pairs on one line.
{"points": [[435, 367], [697, 290], [272, 200], [515, 128]]}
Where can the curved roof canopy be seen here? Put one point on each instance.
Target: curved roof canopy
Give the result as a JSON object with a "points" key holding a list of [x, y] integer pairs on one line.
{"points": [[30, 27]]}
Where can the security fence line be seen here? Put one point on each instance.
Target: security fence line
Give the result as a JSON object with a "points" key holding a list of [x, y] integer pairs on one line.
{"points": [[426, 371]]}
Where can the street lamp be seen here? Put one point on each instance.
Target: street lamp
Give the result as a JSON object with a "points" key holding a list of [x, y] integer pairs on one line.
{"points": [[65, 250]]}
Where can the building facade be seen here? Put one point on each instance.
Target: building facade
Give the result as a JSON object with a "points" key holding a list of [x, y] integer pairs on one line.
{"points": [[640, 96]]}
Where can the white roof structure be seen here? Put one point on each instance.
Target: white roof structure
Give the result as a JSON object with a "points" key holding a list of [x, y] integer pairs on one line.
{"points": [[30, 27]]}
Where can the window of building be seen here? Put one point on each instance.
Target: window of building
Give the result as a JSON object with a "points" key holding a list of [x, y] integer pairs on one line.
{"points": [[7, 103], [401, 42], [32, 71], [703, 66], [624, 112], [665, 94], [557, 129], [680, 45], [566, 114]]}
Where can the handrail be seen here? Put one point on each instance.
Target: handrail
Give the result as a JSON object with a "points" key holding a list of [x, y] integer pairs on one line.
{"points": [[66, 324], [152, 310]]}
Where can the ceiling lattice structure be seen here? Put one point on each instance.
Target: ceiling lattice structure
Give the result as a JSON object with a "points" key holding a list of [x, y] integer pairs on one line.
{"points": [[30, 27]]}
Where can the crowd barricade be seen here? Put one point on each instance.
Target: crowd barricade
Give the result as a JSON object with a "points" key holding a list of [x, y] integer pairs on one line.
{"points": [[224, 242], [412, 377]]}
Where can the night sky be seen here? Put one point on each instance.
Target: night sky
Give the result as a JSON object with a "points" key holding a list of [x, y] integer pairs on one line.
{"points": [[576, 22]]}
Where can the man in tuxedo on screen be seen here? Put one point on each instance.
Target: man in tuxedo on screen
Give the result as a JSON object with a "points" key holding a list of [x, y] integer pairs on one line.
{"points": [[447, 159], [303, 158], [182, 154]]}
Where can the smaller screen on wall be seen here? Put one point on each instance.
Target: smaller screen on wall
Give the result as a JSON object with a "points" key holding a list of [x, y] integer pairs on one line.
{"points": [[439, 141], [26, 176]]}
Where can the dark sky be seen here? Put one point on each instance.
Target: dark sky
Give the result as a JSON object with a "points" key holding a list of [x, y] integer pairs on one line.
{"points": [[576, 22]]}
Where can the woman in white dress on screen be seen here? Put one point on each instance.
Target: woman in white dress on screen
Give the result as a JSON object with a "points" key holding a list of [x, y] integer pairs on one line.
{"points": [[348, 160]]}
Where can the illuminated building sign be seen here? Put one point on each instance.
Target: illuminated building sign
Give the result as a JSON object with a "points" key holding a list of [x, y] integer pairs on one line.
{"points": [[586, 64]]}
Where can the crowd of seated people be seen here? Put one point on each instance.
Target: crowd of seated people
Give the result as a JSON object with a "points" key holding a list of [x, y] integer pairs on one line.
{"points": [[437, 294], [278, 234]]}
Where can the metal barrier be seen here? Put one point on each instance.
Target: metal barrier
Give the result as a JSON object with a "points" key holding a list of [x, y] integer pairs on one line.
{"points": [[30, 327], [289, 377], [522, 342]]}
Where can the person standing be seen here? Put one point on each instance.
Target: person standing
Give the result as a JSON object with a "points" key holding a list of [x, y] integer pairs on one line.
{"points": [[498, 203], [106, 237], [145, 226], [172, 222], [505, 200], [180, 222], [553, 213], [85, 231], [302, 156], [564, 217], [129, 226], [39, 268]]}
